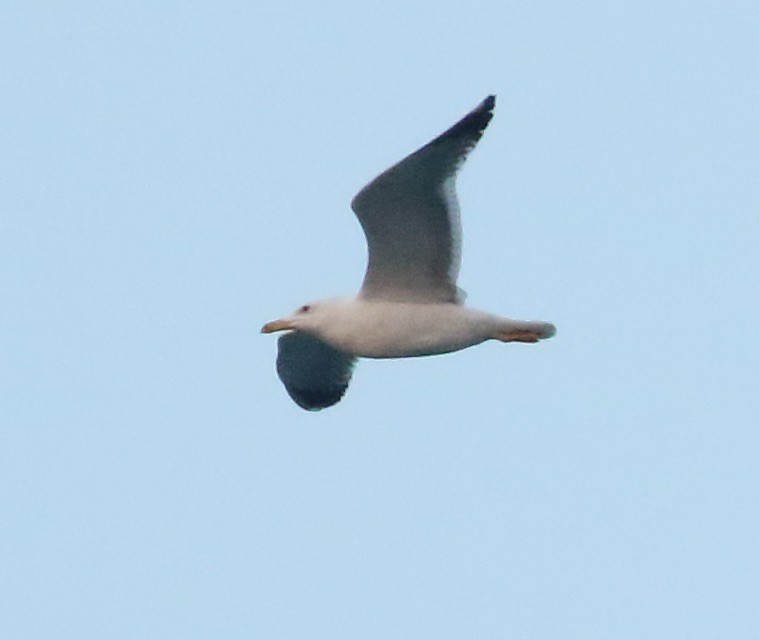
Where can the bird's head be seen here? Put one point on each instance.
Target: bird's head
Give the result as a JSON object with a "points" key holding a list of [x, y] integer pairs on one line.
{"points": [[304, 318]]}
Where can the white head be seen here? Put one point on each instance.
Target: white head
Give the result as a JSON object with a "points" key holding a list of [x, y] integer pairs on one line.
{"points": [[309, 317]]}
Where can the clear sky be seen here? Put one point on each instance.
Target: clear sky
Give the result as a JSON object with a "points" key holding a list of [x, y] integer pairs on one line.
{"points": [[173, 175]]}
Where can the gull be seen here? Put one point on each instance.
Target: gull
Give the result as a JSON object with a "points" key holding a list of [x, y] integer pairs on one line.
{"points": [[409, 304]]}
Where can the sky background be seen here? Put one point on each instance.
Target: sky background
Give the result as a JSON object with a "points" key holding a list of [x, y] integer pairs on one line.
{"points": [[173, 175]]}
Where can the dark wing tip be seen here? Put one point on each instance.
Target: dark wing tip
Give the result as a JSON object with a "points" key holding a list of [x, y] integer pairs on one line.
{"points": [[440, 157], [472, 125], [312, 400]]}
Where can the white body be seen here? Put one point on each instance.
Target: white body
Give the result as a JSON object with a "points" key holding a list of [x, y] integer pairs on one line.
{"points": [[379, 329]]}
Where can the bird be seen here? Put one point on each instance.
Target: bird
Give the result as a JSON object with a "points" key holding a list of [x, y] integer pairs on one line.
{"points": [[409, 304]]}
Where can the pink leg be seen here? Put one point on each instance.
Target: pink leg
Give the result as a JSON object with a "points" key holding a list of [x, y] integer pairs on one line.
{"points": [[519, 335]]}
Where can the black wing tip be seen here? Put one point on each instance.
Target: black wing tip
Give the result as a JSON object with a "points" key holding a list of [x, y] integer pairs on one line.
{"points": [[473, 124], [316, 400]]}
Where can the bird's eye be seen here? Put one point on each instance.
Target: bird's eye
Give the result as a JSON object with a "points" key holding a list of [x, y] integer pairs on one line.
{"points": [[305, 308]]}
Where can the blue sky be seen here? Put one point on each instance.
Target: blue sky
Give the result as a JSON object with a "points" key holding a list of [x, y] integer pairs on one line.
{"points": [[174, 175]]}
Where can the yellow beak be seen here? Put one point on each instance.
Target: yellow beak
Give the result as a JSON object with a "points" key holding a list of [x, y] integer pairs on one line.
{"points": [[276, 325]]}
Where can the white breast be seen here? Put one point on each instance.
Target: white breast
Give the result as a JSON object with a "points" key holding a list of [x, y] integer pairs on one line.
{"points": [[395, 330]]}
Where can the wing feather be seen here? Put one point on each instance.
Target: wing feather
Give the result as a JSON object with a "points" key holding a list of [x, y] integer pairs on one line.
{"points": [[314, 374], [410, 216]]}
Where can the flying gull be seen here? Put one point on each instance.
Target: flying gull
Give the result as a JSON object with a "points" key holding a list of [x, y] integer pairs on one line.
{"points": [[408, 304]]}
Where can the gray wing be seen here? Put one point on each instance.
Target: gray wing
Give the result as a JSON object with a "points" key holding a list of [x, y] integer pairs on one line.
{"points": [[410, 216], [314, 374]]}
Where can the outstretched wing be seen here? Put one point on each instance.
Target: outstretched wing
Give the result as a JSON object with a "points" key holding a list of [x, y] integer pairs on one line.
{"points": [[314, 374], [410, 216]]}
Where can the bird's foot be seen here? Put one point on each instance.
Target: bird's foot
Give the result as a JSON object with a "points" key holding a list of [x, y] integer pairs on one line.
{"points": [[526, 332], [520, 335]]}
